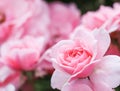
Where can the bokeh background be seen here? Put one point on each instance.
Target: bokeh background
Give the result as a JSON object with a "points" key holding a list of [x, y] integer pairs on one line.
{"points": [[88, 5]]}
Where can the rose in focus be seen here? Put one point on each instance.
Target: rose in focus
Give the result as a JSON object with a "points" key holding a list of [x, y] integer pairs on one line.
{"points": [[79, 59]]}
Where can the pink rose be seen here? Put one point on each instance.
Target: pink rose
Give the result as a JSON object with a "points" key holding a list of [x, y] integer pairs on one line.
{"points": [[38, 21], [28, 17], [96, 19], [80, 57], [23, 54], [7, 18], [62, 24]]}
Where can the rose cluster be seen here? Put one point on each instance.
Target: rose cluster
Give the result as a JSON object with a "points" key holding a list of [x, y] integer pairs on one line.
{"points": [[80, 52]]}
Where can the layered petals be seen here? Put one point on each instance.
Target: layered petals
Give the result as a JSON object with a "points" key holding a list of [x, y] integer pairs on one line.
{"points": [[79, 55], [56, 81]]}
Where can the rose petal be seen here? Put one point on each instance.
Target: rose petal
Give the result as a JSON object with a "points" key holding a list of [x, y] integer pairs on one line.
{"points": [[5, 72], [58, 79], [62, 45], [101, 86], [108, 71], [87, 70], [9, 87], [103, 41], [78, 85]]}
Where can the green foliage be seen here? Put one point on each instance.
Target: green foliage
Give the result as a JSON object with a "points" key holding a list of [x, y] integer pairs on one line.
{"points": [[117, 89], [88, 5], [43, 84]]}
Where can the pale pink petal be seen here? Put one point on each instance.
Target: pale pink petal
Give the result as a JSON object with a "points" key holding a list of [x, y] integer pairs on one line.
{"points": [[85, 71], [62, 45], [78, 85], [103, 41], [101, 86], [58, 79], [5, 72], [107, 71], [9, 76], [9, 87]]}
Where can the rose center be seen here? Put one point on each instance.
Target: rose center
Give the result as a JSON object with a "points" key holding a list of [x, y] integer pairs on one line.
{"points": [[2, 17], [72, 54], [75, 52]]}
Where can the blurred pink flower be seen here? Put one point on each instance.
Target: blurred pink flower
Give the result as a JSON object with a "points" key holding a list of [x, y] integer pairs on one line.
{"points": [[63, 19], [37, 23], [106, 17], [28, 17], [81, 58], [23, 54], [7, 18], [110, 21]]}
